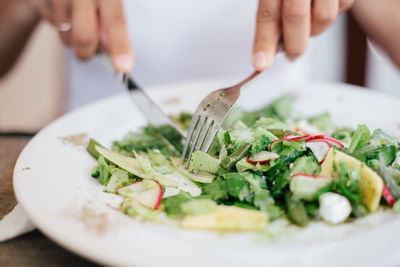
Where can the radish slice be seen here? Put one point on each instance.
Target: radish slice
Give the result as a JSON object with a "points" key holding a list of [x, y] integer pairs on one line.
{"points": [[388, 196], [301, 131], [148, 192], [330, 139], [289, 138], [294, 137], [308, 175], [319, 149], [264, 157]]}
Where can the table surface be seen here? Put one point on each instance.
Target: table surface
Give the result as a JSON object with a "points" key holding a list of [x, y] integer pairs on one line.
{"points": [[31, 249]]}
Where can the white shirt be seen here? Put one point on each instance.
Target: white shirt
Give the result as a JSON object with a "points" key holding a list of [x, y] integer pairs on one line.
{"points": [[178, 40]]}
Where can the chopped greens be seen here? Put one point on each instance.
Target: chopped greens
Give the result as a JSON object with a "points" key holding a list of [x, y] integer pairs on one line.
{"points": [[259, 168], [204, 162]]}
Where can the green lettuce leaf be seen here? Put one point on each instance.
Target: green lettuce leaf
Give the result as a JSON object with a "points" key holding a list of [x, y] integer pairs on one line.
{"points": [[204, 162], [322, 122], [242, 166], [361, 137], [217, 190], [281, 108], [159, 162], [198, 206], [305, 164], [347, 183], [385, 154], [238, 137], [117, 179], [296, 210], [262, 139], [380, 137], [270, 123], [238, 187], [343, 134], [104, 170], [289, 150], [172, 205], [262, 198], [390, 176], [230, 161]]}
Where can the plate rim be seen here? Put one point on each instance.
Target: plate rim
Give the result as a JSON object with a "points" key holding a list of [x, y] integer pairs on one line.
{"points": [[59, 240]]}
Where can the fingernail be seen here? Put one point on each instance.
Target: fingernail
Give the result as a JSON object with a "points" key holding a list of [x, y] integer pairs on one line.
{"points": [[123, 63], [260, 60], [291, 57]]}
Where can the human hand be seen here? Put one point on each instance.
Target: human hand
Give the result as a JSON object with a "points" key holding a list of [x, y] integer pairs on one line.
{"points": [[84, 24], [295, 21]]}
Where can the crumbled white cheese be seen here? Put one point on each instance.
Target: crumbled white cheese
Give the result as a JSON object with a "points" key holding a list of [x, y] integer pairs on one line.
{"points": [[334, 208]]}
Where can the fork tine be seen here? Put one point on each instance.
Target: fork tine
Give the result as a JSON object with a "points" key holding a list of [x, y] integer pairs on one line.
{"points": [[193, 124], [210, 137], [207, 129], [203, 135], [209, 116], [199, 127]]}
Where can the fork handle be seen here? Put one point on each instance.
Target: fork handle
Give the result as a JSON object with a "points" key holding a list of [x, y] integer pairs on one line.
{"points": [[246, 82], [280, 48]]}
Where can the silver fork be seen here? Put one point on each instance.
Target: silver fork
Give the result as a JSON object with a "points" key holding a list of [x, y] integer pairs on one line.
{"points": [[209, 117]]}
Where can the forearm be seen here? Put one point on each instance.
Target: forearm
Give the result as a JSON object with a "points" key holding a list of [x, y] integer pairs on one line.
{"points": [[18, 19], [381, 22]]}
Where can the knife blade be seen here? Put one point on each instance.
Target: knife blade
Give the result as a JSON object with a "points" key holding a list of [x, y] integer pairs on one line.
{"points": [[149, 109]]}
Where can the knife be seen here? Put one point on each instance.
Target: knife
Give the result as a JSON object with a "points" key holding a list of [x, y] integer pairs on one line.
{"points": [[149, 109]]}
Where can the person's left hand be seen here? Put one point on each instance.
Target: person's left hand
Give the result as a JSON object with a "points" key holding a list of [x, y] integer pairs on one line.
{"points": [[86, 24], [294, 21]]}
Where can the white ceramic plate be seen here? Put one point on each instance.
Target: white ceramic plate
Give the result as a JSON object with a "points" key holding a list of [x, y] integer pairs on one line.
{"points": [[53, 184]]}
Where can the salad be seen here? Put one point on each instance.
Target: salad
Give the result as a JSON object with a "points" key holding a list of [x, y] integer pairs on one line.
{"points": [[262, 166]]}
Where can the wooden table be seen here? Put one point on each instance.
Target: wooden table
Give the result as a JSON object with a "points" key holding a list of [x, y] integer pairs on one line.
{"points": [[32, 249]]}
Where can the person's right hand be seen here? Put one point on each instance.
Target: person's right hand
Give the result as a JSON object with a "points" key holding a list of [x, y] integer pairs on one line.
{"points": [[86, 24], [294, 21]]}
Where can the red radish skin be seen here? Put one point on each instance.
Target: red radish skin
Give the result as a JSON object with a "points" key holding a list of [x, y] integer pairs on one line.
{"points": [[301, 131], [119, 188], [308, 175], [264, 157], [388, 196], [308, 138], [327, 144], [262, 162], [288, 136], [289, 139], [292, 138], [157, 202], [326, 138]]}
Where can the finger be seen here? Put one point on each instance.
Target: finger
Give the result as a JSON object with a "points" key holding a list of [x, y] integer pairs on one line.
{"points": [[324, 13], [85, 29], [62, 14], [45, 9], [116, 33], [267, 33], [345, 5], [296, 26]]}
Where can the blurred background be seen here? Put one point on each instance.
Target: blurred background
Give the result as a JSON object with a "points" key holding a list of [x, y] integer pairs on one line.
{"points": [[47, 80]]}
